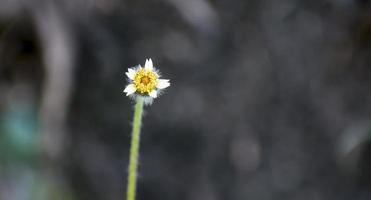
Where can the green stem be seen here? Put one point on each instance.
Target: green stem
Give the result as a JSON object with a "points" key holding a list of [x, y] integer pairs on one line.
{"points": [[134, 149]]}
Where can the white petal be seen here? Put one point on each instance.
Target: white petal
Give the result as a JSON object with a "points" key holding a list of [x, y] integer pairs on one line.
{"points": [[153, 94], [148, 65], [131, 73], [163, 83], [130, 89]]}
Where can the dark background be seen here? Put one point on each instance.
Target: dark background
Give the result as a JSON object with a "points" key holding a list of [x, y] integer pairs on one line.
{"points": [[269, 99]]}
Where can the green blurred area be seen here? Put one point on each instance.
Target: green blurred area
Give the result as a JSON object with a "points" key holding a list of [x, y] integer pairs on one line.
{"points": [[19, 138]]}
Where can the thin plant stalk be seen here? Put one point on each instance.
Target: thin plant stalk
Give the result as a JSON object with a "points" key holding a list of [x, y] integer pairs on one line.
{"points": [[134, 149]]}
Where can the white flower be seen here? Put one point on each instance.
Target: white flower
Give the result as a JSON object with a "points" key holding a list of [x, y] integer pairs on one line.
{"points": [[145, 82]]}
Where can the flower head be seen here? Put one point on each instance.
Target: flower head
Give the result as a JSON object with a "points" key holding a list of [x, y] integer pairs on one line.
{"points": [[145, 82]]}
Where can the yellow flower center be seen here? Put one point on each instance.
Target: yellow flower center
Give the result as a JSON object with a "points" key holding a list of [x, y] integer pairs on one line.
{"points": [[145, 81]]}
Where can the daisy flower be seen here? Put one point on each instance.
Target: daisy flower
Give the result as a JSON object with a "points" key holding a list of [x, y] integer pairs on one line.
{"points": [[145, 82]]}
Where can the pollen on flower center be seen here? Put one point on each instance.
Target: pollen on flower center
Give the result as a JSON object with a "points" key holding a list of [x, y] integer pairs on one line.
{"points": [[145, 80]]}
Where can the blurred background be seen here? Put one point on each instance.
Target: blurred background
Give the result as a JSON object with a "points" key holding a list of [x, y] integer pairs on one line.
{"points": [[270, 100]]}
